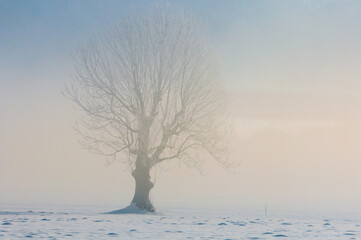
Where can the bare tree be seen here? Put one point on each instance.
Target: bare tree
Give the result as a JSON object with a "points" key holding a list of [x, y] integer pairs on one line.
{"points": [[150, 93]]}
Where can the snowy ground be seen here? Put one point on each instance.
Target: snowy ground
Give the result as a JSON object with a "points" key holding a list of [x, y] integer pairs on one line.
{"points": [[20, 222]]}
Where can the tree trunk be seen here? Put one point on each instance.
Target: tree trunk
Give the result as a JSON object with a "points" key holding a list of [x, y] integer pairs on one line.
{"points": [[143, 185]]}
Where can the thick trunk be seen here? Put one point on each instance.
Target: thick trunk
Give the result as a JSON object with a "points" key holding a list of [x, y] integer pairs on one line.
{"points": [[143, 185]]}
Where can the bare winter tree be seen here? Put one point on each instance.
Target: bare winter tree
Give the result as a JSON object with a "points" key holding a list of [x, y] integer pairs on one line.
{"points": [[150, 93]]}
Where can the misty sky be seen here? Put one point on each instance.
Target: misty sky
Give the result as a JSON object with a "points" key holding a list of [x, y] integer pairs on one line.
{"points": [[292, 68]]}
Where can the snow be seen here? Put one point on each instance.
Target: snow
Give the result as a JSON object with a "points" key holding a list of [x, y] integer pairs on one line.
{"points": [[88, 223], [131, 209]]}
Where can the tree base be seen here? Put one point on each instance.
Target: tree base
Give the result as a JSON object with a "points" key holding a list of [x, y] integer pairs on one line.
{"points": [[131, 209]]}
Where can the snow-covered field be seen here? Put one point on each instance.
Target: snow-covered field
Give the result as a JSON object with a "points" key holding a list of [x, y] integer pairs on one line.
{"points": [[87, 223]]}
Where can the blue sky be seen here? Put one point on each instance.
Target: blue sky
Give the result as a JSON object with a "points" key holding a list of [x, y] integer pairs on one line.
{"points": [[37, 37], [286, 39]]}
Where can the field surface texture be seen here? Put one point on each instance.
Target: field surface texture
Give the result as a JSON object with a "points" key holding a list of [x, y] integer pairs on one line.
{"points": [[89, 223]]}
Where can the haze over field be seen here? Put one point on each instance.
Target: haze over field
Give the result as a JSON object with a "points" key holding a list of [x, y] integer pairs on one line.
{"points": [[291, 67]]}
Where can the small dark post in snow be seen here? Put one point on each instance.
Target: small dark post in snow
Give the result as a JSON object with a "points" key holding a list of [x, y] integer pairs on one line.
{"points": [[265, 209]]}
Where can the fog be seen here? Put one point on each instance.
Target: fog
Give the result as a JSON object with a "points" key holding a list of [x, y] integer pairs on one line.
{"points": [[293, 76]]}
